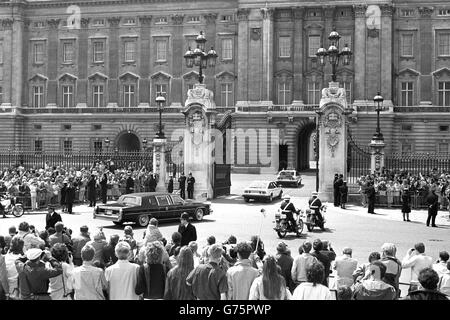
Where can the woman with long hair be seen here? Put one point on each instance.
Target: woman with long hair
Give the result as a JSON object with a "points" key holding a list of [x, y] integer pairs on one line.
{"points": [[176, 287], [271, 284], [152, 275], [313, 289], [58, 285]]}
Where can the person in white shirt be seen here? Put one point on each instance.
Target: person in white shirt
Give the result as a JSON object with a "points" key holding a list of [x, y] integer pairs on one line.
{"points": [[441, 265], [345, 265], [122, 276], [313, 289], [416, 260], [444, 281]]}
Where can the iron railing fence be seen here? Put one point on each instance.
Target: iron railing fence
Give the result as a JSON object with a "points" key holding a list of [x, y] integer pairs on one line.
{"points": [[418, 163]]}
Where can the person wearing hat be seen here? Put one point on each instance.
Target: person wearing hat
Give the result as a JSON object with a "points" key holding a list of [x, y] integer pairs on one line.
{"points": [[285, 262], [343, 190], [182, 185], [34, 275], [52, 217], [406, 202], [288, 206], [91, 191], [187, 230], [370, 197], [190, 186], [70, 197], [315, 204]]}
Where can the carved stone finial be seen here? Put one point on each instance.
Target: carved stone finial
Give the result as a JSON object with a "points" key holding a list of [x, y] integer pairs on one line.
{"points": [[53, 23], [114, 21], [210, 17], [145, 20], [242, 14], [177, 18], [360, 10]]}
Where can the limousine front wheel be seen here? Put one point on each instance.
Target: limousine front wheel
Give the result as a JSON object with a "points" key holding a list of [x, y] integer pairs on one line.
{"points": [[143, 220], [199, 214]]}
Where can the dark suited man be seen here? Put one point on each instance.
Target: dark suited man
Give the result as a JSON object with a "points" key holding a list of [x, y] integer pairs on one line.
{"points": [[52, 218], [190, 186], [433, 204], [343, 190], [187, 230], [104, 188], [70, 197], [129, 187], [91, 191], [182, 184], [152, 184], [335, 190], [370, 197], [170, 185]]}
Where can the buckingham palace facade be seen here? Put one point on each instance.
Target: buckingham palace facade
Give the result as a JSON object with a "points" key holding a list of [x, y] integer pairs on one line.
{"points": [[73, 75]]}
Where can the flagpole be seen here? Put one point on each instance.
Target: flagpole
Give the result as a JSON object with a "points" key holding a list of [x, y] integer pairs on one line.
{"points": [[263, 211]]}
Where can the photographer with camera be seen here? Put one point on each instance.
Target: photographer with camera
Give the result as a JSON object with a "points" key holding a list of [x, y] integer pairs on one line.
{"points": [[416, 260]]}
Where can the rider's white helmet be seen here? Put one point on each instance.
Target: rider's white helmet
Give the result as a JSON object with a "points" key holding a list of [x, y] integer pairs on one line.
{"points": [[286, 197]]}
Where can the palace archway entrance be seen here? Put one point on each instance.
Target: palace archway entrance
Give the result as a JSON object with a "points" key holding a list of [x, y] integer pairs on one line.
{"points": [[128, 142], [305, 146]]}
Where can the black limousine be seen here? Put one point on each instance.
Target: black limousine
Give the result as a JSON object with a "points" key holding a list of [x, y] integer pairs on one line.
{"points": [[141, 207]]}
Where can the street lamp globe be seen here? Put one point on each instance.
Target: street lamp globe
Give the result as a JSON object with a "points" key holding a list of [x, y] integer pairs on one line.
{"points": [[204, 60], [198, 54], [189, 58], [160, 100], [334, 36], [321, 53], [201, 40], [333, 54], [378, 99], [346, 53], [212, 57]]}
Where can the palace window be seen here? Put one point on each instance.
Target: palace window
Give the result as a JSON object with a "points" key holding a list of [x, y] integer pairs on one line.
{"points": [[99, 22], [161, 50], [443, 13], [226, 94], [444, 44], [313, 45], [129, 21], [407, 12], [406, 127], [406, 148], [347, 85], [37, 145], [313, 92], [284, 93], [38, 96], [98, 146], [68, 52], [406, 45], [39, 24], [67, 146], [67, 96], [98, 96], [444, 93], [161, 20], [443, 147], [284, 46], [407, 91], [194, 19], [38, 52], [227, 49], [130, 51], [443, 128], [128, 95], [98, 48], [161, 90], [225, 18]]}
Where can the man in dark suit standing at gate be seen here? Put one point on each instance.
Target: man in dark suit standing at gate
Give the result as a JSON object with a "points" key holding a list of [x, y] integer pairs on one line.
{"points": [[190, 186], [433, 204], [182, 184], [370, 197], [336, 193]]}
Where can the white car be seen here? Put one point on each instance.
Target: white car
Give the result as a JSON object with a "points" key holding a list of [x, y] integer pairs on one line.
{"points": [[289, 178], [262, 190]]}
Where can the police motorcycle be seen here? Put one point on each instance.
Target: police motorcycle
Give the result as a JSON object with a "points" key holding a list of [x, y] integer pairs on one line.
{"points": [[283, 225], [312, 220], [9, 205]]}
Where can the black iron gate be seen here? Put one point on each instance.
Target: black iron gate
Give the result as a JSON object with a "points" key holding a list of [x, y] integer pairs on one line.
{"points": [[221, 179], [418, 163], [358, 161]]}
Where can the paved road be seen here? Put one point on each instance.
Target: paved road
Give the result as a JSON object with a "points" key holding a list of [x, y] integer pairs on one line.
{"points": [[352, 227]]}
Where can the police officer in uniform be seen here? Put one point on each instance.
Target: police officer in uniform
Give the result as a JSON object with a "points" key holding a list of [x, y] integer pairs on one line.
{"points": [[288, 206], [370, 198], [315, 204], [433, 204]]}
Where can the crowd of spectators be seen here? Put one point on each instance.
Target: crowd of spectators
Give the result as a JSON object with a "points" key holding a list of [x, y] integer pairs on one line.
{"points": [[60, 265], [391, 184], [37, 188]]}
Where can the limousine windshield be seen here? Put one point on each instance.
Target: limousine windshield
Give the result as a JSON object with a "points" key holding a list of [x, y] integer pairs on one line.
{"points": [[129, 200]]}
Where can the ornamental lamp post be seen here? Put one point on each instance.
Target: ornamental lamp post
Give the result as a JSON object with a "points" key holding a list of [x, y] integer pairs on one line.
{"points": [[107, 142], [333, 54], [378, 99], [160, 101], [199, 58]]}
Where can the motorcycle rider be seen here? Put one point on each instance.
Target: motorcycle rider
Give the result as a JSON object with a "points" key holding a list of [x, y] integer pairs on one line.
{"points": [[315, 204], [288, 206]]}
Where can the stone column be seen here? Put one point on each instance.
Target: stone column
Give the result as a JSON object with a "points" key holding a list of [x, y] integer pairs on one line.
{"points": [[360, 52], [8, 57], [210, 34], [386, 53], [178, 51], [376, 155], [242, 56], [267, 54], [426, 52], [159, 163], [52, 62], [17, 61], [113, 59], [298, 56], [144, 61]]}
